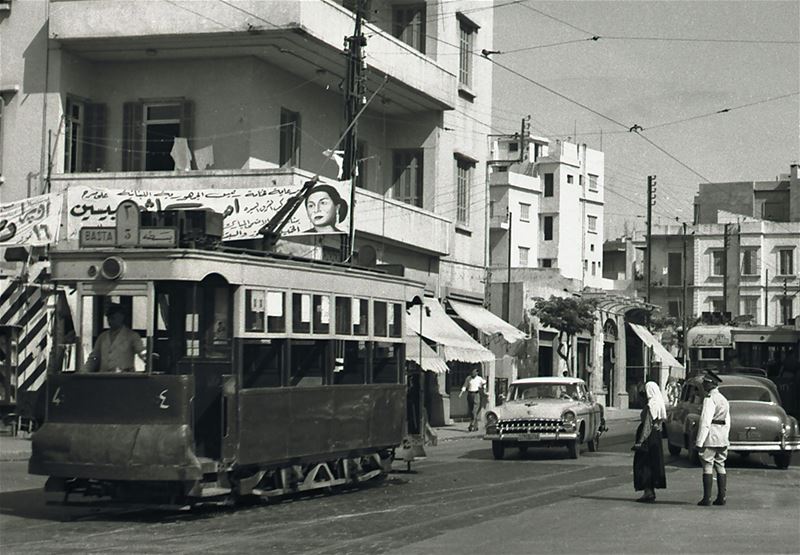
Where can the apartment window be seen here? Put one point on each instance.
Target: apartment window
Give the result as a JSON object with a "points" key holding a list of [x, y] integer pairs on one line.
{"points": [[750, 262], [594, 268], [717, 262], [591, 247], [463, 181], [73, 135], [786, 262], [407, 176], [149, 132], [674, 309], [548, 184], [717, 305], [546, 263], [548, 228], [674, 268], [290, 139], [467, 31], [580, 180], [524, 212], [570, 179], [785, 304], [592, 224], [523, 256], [408, 25], [749, 307], [593, 182]]}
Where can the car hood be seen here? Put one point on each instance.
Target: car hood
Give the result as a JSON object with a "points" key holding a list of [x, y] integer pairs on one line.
{"points": [[535, 408]]}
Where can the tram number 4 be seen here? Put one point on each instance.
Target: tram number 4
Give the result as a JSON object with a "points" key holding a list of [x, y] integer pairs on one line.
{"points": [[57, 397], [163, 397]]}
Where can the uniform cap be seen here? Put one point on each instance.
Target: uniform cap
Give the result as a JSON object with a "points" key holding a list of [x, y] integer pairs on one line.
{"points": [[711, 378]]}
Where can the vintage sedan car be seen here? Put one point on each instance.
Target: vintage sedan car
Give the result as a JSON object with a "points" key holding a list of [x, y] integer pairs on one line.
{"points": [[758, 422], [546, 412]]}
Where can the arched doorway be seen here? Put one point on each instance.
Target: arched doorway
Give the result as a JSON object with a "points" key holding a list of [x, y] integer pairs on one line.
{"points": [[610, 336]]}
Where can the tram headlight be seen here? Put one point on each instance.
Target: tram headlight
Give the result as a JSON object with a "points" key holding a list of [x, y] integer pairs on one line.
{"points": [[112, 268]]}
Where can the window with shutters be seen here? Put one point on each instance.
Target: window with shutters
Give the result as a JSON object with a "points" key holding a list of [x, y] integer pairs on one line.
{"points": [[548, 184], [84, 136], [593, 182], [749, 306], [674, 268], [591, 222], [463, 181], [524, 252], [408, 25], [548, 228], [750, 261], [786, 262], [717, 263], [150, 128], [290, 139], [407, 183], [467, 32]]}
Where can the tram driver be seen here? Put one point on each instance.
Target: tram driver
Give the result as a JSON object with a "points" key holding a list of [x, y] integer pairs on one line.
{"points": [[115, 348]]}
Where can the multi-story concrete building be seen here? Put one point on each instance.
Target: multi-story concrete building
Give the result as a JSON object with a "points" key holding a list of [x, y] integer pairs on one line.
{"points": [[95, 93]]}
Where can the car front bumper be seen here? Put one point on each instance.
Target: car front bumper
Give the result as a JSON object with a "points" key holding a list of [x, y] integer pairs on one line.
{"points": [[772, 446], [533, 437]]}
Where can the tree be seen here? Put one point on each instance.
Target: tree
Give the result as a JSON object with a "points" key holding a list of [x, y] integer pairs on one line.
{"points": [[570, 316]]}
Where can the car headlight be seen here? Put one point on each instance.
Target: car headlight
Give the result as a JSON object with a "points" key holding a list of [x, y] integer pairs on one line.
{"points": [[491, 419], [568, 418]]}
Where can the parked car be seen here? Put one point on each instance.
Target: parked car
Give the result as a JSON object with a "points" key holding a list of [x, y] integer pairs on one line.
{"points": [[546, 412], [759, 424]]}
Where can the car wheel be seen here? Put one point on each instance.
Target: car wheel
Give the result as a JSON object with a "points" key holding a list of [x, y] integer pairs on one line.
{"points": [[498, 449], [783, 460], [574, 448], [594, 444], [674, 450]]}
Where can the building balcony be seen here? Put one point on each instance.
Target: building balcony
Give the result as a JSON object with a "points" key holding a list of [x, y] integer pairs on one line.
{"points": [[390, 220], [498, 223], [304, 38]]}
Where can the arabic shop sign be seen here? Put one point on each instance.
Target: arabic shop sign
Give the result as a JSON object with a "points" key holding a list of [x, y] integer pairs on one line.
{"points": [[246, 210], [31, 222]]}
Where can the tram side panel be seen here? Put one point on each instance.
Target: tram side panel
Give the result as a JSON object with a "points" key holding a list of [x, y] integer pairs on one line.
{"points": [[117, 427], [316, 423]]}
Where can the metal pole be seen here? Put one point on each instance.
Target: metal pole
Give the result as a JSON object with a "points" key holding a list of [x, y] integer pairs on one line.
{"points": [[508, 279], [649, 251], [685, 322], [725, 270], [766, 299]]}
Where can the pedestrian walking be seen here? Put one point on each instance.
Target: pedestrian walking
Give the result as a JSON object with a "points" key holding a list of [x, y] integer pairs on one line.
{"points": [[648, 459], [712, 440], [474, 387]]}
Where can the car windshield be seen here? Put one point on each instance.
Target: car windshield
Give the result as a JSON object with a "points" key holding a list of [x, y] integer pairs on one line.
{"points": [[746, 393], [544, 391]]}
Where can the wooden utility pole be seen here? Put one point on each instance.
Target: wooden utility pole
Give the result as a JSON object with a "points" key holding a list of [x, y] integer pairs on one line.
{"points": [[685, 320], [766, 299], [508, 277], [651, 200], [725, 246], [353, 100]]}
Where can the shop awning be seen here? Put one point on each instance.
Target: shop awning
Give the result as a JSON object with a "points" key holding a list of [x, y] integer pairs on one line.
{"points": [[667, 360], [430, 360], [436, 325], [487, 322]]}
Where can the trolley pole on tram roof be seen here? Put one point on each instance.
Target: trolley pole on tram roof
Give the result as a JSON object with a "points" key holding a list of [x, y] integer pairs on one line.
{"points": [[354, 98]]}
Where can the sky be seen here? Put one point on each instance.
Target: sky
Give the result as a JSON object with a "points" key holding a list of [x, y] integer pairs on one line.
{"points": [[741, 53]]}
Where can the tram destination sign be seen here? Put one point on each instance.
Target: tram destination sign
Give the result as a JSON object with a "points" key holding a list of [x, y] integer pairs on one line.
{"points": [[164, 237]]}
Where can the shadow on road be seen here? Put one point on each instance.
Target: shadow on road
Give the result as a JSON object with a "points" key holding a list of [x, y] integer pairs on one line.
{"points": [[629, 500]]}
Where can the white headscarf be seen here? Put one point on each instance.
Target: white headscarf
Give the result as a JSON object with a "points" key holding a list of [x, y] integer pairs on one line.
{"points": [[655, 401]]}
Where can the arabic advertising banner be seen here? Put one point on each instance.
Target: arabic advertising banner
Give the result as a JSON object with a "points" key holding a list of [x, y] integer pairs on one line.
{"points": [[326, 209], [32, 222]]}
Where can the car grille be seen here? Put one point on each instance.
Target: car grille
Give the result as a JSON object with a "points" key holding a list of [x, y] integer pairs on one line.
{"points": [[529, 425]]}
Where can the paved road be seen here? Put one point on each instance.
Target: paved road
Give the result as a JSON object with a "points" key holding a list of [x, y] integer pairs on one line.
{"points": [[459, 500]]}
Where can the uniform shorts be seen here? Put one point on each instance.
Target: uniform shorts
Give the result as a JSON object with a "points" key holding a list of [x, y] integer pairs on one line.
{"points": [[714, 456]]}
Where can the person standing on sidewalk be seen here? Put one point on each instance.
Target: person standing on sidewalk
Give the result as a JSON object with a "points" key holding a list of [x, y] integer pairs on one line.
{"points": [[474, 387], [712, 440], [648, 460]]}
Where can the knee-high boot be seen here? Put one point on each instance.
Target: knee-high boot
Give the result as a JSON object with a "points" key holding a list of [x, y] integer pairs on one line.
{"points": [[722, 489], [708, 482]]}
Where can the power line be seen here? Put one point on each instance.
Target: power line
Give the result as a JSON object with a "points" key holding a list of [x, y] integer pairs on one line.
{"points": [[537, 46], [554, 18]]}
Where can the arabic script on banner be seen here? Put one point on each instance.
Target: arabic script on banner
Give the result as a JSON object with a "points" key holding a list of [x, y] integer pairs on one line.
{"points": [[30, 222], [246, 210]]}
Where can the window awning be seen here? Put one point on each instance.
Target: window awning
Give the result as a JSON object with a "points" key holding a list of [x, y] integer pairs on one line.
{"points": [[430, 360], [437, 326], [487, 322], [667, 360]]}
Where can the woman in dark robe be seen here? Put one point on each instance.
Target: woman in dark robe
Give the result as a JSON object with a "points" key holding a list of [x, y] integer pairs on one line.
{"points": [[648, 459]]}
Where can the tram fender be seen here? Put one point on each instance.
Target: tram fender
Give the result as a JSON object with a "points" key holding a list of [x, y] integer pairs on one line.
{"points": [[115, 451]]}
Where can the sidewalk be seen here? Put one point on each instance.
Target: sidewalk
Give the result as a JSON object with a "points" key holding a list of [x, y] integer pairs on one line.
{"points": [[458, 430], [14, 448]]}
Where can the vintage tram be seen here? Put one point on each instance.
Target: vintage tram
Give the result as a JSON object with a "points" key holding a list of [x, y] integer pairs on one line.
{"points": [[264, 375]]}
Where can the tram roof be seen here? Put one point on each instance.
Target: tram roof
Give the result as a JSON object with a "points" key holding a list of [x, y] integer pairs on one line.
{"points": [[236, 266]]}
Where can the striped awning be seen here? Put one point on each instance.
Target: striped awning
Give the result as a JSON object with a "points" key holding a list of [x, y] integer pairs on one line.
{"points": [[429, 360], [488, 323], [436, 325]]}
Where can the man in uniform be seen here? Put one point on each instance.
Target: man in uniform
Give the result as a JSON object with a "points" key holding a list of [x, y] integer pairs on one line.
{"points": [[116, 347], [712, 439]]}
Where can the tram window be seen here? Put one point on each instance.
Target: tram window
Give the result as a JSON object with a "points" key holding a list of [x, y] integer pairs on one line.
{"points": [[379, 307], [309, 361], [276, 312], [386, 362], [360, 317], [352, 361], [301, 313], [262, 363], [343, 316], [94, 323], [395, 320], [255, 310], [322, 314]]}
